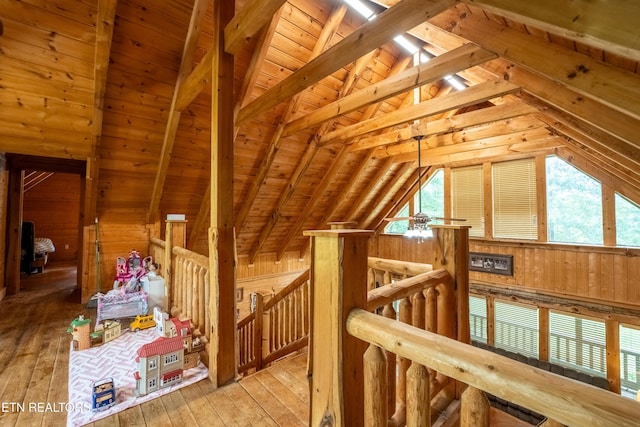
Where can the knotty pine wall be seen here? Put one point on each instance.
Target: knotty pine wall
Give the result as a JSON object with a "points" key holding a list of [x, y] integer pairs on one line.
{"points": [[605, 274], [54, 208]]}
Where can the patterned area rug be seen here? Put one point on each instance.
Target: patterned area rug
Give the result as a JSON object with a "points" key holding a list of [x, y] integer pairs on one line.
{"points": [[115, 359]]}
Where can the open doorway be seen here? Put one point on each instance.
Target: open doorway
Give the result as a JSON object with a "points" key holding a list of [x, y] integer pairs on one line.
{"points": [[45, 204]]}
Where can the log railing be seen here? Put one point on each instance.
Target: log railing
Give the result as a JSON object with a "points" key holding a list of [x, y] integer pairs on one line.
{"points": [[156, 250], [276, 328], [563, 400], [350, 349], [425, 301], [385, 271]]}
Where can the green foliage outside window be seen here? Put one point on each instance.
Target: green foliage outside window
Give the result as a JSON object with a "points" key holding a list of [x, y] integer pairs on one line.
{"points": [[627, 222], [574, 204]]}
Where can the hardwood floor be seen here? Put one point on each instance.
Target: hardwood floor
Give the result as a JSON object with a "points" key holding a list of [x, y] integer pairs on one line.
{"points": [[34, 356]]}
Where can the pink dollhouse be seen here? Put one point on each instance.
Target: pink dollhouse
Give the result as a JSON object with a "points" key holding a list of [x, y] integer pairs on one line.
{"points": [[160, 364]]}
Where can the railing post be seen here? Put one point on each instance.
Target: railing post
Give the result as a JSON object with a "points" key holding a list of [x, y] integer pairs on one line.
{"points": [[338, 284], [474, 408], [375, 384], [175, 235], [257, 331], [451, 252]]}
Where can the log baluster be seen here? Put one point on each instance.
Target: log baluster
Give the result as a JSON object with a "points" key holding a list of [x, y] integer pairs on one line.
{"points": [[375, 387], [418, 396], [390, 313], [474, 408]]}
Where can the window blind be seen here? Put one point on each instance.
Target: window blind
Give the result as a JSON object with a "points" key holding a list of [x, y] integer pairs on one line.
{"points": [[629, 361], [578, 343], [514, 199], [516, 328], [467, 197]]}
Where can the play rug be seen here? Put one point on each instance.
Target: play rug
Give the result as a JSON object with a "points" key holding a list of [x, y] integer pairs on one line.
{"points": [[115, 359]]}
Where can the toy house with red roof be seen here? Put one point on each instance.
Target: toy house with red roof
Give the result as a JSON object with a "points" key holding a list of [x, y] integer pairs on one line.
{"points": [[160, 364]]}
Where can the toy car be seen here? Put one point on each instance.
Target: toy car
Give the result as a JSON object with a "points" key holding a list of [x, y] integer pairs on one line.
{"points": [[103, 394], [142, 322]]}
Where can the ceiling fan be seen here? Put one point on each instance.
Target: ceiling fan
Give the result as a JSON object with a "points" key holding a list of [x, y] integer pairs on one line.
{"points": [[420, 219]]}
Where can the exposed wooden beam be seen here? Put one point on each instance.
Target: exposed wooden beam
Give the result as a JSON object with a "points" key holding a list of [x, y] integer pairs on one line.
{"points": [[439, 154], [104, 35], [437, 68], [195, 82], [526, 128], [389, 188], [222, 256], [357, 204], [201, 223], [449, 124], [615, 87], [186, 64], [611, 26], [470, 96], [254, 15], [396, 20]]}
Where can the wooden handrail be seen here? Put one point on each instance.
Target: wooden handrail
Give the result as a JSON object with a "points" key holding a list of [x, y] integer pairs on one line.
{"points": [[561, 399], [282, 294], [404, 288], [404, 268]]}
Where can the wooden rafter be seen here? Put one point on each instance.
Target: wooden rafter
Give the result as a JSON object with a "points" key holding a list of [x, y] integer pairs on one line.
{"points": [[612, 86], [449, 124], [357, 204], [389, 188], [437, 68], [469, 96], [186, 64], [371, 35], [254, 15], [604, 25]]}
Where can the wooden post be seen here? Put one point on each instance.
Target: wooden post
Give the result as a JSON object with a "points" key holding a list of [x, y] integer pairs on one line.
{"points": [[175, 235], [258, 330], [418, 396], [451, 252], [4, 195], [14, 237], [474, 408], [390, 313], [222, 303], [375, 387], [612, 328], [338, 284]]}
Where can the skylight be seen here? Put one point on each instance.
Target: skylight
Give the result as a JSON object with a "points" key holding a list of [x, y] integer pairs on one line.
{"points": [[403, 41]]}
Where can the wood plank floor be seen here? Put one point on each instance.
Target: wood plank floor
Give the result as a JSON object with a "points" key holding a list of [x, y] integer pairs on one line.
{"points": [[34, 356]]}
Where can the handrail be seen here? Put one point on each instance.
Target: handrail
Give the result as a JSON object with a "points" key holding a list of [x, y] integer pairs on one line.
{"points": [[561, 399], [276, 328], [404, 288], [398, 267]]}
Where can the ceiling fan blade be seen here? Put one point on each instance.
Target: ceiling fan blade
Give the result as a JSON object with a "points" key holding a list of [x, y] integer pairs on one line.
{"points": [[447, 219], [403, 218]]}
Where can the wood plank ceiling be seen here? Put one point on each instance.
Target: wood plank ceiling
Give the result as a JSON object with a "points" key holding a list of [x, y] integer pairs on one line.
{"points": [[325, 109]]}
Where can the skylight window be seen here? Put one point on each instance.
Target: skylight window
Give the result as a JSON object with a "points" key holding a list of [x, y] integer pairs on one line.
{"points": [[362, 9]]}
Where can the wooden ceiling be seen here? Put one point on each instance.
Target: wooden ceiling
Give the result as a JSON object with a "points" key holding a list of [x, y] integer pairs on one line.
{"points": [[324, 108]]}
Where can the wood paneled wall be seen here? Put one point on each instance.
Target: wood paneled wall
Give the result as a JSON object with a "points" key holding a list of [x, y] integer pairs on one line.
{"points": [[54, 208], [609, 275]]}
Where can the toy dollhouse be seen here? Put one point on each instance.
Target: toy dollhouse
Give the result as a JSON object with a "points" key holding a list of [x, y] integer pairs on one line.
{"points": [[80, 330], [160, 364]]}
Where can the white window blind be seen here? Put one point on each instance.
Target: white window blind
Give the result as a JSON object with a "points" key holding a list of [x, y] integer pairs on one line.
{"points": [[629, 361], [516, 328], [478, 318], [514, 199], [578, 343], [467, 198]]}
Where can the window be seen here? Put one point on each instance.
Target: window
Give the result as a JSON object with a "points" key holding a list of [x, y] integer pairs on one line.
{"points": [[629, 361], [399, 227], [627, 220], [432, 194], [514, 200], [578, 343], [152, 383], [516, 328], [467, 197], [153, 363], [478, 319], [574, 204], [170, 358]]}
